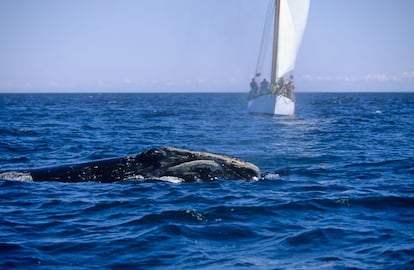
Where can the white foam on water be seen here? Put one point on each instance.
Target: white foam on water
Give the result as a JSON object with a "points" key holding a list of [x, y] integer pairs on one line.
{"points": [[17, 176], [272, 176]]}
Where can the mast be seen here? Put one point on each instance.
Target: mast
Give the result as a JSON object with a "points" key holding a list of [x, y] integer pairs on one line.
{"points": [[275, 42]]}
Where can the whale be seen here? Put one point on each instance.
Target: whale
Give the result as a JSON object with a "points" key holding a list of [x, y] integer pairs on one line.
{"points": [[157, 163]]}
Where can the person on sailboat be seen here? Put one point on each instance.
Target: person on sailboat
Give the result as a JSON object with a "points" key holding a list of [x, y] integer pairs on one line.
{"points": [[280, 85], [264, 86], [253, 87], [290, 87]]}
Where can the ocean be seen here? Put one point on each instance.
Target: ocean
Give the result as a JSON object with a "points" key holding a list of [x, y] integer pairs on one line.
{"points": [[337, 190]]}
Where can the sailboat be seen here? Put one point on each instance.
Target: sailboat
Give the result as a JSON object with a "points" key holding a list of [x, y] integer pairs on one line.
{"points": [[277, 97]]}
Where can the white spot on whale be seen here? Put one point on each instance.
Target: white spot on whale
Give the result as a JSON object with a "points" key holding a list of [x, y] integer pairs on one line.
{"points": [[171, 179], [16, 176]]}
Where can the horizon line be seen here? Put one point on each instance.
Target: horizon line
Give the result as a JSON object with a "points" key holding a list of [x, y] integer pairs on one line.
{"points": [[190, 92]]}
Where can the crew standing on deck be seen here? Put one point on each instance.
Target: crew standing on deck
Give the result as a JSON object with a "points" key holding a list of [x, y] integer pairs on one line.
{"points": [[253, 88], [264, 87]]}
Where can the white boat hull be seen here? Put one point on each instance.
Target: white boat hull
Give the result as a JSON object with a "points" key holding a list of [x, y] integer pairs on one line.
{"points": [[272, 104]]}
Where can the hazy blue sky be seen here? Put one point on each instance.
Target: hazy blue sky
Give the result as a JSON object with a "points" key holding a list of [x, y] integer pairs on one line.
{"points": [[197, 45]]}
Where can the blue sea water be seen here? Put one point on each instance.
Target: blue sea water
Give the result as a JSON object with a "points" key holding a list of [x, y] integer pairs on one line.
{"points": [[337, 191]]}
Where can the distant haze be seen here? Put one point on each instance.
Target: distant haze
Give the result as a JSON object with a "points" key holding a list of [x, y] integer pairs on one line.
{"points": [[197, 45]]}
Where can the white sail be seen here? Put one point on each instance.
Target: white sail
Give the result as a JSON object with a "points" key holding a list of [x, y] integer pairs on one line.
{"points": [[292, 22]]}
